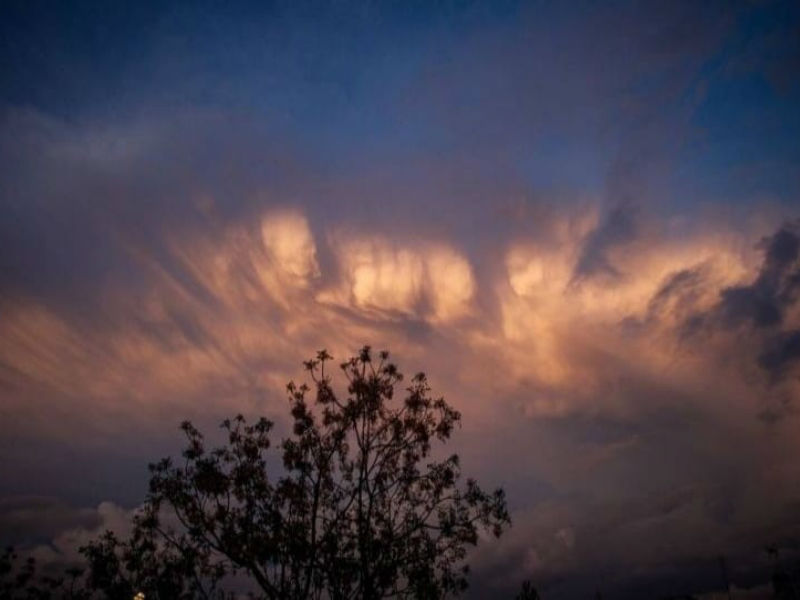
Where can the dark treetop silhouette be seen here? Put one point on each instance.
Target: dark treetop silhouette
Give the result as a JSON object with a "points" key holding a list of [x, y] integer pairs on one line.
{"points": [[359, 509]]}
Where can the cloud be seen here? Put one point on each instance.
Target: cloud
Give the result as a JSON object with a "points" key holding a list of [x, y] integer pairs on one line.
{"points": [[766, 312], [288, 240], [51, 531], [593, 388], [503, 205], [27, 519], [764, 301], [424, 281], [617, 228]]}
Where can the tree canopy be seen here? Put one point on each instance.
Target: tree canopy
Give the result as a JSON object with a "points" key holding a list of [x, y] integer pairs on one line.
{"points": [[350, 505]]}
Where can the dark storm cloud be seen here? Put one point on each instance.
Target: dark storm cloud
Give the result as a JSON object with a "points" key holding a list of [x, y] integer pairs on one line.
{"points": [[758, 310], [780, 352], [764, 302]]}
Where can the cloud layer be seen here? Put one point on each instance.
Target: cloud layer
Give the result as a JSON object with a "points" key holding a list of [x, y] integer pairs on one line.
{"points": [[644, 404]]}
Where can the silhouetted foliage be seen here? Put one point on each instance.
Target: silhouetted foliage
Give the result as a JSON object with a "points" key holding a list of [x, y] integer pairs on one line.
{"points": [[783, 583], [528, 592], [359, 509], [155, 559], [22, 582]]}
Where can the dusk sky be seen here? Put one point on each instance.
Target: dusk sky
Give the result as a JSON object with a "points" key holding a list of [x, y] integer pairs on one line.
{"points": [[580, 219]]}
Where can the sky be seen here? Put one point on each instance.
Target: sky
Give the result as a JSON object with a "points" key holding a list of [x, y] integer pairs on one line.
{"points": [[581, 220]]}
